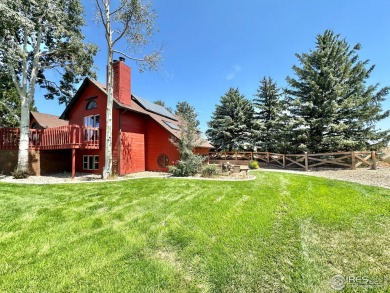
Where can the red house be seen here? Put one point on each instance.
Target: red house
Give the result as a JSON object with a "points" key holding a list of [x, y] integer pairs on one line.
{"points": [[141, 132]]}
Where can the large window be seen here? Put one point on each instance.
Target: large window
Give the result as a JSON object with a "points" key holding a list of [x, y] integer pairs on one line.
{"points": [[91, 122], [90, 162]]}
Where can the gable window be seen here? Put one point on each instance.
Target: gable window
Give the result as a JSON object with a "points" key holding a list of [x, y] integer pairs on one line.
{"points": [[91, 105], [90, 162], [91, 123]]}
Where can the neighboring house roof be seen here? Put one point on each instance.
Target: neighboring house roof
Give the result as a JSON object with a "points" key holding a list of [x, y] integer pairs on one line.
{"points": [[47, 120], [158, 113]]}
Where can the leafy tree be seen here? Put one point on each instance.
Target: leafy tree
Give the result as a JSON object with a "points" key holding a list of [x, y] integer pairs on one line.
{"points": [[41, 41], [231, 123], [269, 116], [10, 103], [189, 163], [134, 21], [330, 100]]}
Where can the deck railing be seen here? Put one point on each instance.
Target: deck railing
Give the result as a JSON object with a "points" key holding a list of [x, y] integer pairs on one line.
{"points": [[304, 161], [63, 137]]}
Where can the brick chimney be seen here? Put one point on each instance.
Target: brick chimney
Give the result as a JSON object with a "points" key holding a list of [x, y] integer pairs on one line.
{"points": [[122, 81]]}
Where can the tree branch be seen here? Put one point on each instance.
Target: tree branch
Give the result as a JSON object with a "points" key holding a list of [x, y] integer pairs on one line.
{"points": [[127, 56], [101, 14]]}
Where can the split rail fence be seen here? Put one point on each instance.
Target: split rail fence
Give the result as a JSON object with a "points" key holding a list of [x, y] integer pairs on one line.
{"points": [[304, 161]]}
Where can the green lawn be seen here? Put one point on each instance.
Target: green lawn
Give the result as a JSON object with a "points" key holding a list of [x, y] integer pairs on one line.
{"points": [[280, 232]]}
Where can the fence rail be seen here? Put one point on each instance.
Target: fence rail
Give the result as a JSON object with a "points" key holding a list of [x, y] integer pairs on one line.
{"points": [[63, 137], [304, 161]]}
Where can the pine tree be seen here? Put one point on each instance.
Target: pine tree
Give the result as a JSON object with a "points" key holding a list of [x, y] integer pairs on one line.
{"points": [[189, 163], [231, 125], [185, 110], [269, 116], [10, 104], [334, 108]]}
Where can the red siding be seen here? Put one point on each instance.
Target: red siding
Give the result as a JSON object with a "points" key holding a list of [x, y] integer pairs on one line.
{"points": [[132, 152], [157, 143], [77, 115]]}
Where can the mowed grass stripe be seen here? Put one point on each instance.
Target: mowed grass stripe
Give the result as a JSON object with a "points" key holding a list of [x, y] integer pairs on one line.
{"points": [[280, 232]]}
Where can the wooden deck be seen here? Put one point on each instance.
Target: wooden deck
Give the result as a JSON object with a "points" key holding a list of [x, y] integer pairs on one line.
{"points": [[64, 137]]}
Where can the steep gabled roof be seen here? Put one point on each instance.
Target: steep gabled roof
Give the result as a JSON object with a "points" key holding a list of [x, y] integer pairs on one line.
{"points": [[47, 120], [139, 105], [84, 85]]}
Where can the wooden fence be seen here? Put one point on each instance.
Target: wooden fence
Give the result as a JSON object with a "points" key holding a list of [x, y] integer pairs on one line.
{"points": [[304, 161]]}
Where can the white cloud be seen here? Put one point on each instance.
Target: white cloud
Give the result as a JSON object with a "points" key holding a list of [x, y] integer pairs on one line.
{"points": [[232, 74]]}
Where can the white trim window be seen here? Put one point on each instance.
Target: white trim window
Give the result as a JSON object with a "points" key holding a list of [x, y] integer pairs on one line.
{"points": [[91, 124], [90, 162]]}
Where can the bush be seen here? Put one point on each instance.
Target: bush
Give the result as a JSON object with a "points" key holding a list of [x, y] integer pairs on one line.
{"points": [[253, 165], [188, 167], [210, 171], [20, 174]]}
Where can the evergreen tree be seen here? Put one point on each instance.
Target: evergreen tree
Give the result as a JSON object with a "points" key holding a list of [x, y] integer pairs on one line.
{"points": [[10, 105], [231, 125], [185, 110], [189, 163], [269, 116], [334, 108]]}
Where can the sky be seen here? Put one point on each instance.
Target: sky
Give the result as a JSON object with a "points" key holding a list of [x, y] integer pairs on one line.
{"points": [[209, 46]]}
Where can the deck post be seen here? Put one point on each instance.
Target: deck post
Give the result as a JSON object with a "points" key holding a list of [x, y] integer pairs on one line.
{"points": [[373, 160], [73, 162], [306, 162], [353, 162]]}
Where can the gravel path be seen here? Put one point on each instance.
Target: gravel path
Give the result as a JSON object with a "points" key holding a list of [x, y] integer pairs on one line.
{"points": [[379, 177]]}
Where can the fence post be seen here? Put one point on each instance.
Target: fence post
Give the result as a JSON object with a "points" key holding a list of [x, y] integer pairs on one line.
{"points": [[284, 161], [373, 160], [306, 162], [268, 158], [353, 163]]}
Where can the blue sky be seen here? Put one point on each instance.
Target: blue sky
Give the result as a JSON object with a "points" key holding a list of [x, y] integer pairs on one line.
{"points": [[210, 46]]}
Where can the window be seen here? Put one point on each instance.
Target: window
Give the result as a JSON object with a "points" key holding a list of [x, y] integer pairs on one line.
{"points": [[90, 162], [163, 160], [91, 122], [91, 105], [171, 125]]}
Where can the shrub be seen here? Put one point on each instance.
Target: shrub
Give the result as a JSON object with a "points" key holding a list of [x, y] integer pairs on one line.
{"points": [[20, 174], [253, 165], [210, 171], [189, 166]]}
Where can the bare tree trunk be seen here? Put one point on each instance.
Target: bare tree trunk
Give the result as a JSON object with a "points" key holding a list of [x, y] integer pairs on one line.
{"points": [[26, 99], [24, 136], [107, 170]]}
